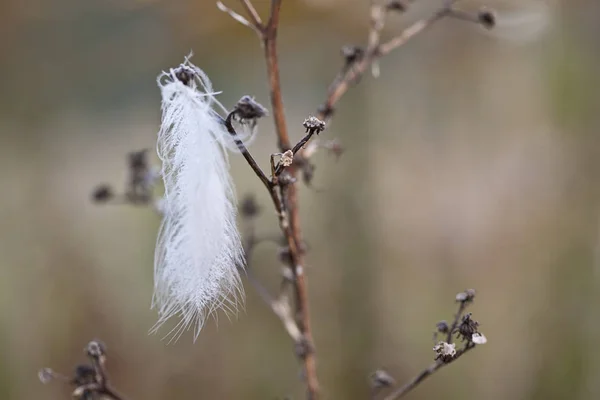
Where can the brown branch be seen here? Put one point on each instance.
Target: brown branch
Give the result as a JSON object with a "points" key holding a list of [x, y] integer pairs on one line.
{"points": [[427, 372], [253, 14], [288, 219], [375, 50]]}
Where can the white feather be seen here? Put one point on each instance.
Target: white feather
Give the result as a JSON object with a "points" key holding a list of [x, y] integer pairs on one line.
{"points": [[198, 250]]}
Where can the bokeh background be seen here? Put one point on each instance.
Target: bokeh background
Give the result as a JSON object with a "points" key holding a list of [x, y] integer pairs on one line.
{"points": [[472, 161]]}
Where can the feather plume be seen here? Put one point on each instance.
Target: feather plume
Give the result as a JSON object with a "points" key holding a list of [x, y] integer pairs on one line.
{"points": [[198, 250]]}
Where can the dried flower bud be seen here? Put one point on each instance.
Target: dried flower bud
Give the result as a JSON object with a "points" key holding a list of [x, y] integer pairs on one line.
{"points": [[248, 109], [249, 208], [102, 194], [442, 327], [479, 338], [184, 74], [397, 5], [381, 379], [84, 374], [466, 297], [444, 351], [313, 125], [287, 158], [352, 53], [46, 375], [95, 349], [486, 18], [467, 327]]}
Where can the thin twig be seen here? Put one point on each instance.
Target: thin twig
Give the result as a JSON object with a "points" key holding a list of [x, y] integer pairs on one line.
{"points": [[253, 14], [461, 310], [242, 148], [375, 51], [427, 372], [297, 147]]}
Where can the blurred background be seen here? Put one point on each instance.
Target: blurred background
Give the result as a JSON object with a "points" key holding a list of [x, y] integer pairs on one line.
{"points": [[472, 161]]}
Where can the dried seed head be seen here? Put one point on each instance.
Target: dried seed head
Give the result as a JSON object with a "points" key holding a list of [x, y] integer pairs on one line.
{"points": [[487, 18], [247, 109], [185, 74], [95, 349], [442, 327], [313, 125], [84, 374], [249, 208], [466, 297], [467, 327], [352, 53], [287, 158], [102, 194], [444, 351], [381, 379]]}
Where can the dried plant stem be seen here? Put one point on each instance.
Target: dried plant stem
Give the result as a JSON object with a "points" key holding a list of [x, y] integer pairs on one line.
{"points": [[285, 195], [427, 372], [286, 201], [294, 234], [375, 50]]}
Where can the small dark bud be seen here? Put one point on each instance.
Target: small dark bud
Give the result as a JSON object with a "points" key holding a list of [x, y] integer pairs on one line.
{"points": [[467, 327], [313, 125], [247, 109], [249, 208], [185, 74], [102, 194], [442, 327], [352, 53], [138, 160], [84, 374], [397, 5], [95, 349], [381, 379], [486, 18]]}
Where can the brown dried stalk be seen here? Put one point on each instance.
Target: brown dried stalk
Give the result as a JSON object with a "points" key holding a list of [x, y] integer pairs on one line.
{"points": [[284, 191], [375, 50], [287, 204]]}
